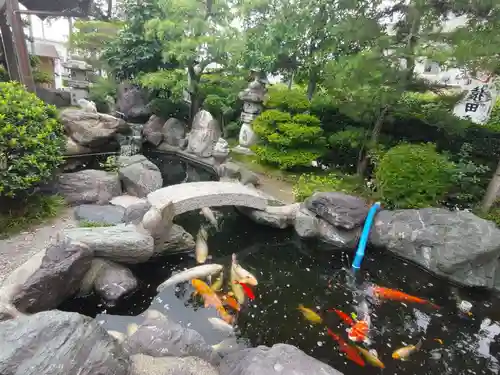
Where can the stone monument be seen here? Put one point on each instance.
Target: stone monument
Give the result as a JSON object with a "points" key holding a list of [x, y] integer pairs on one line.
{"points": [[78, 80], [204, 135], [252, 98]]}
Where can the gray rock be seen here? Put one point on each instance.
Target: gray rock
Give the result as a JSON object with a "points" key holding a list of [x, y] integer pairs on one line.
{"points": [[221, 150], [255, 93], [147, 365], [279, 359], [135, 207], [205, 132], [249, 177], [339, 238], [306, 223], [229, 170], [174, 132], [59, 276], [98, 214], [275, 216], [178, 241], [89, 186], [59, 343], [457, 245], [121, 243], [160, 337], [73, 148], [114, 282], [339, 209], [157, 221], [91, 129], [152, 130], [132, 101], [139, 175]]}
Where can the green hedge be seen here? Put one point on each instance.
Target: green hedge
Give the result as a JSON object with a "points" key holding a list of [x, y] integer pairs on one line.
{"points": [[31, 140]]}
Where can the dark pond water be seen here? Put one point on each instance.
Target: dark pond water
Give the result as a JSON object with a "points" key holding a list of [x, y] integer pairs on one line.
{"points": [[290, 273]]}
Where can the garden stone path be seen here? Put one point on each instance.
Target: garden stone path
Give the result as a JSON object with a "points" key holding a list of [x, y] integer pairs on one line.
{"points": [[17, 249]]}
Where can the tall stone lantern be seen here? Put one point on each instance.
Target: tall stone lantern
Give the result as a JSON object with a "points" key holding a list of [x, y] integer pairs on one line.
{"points": [[253, 99], [78, 79]]}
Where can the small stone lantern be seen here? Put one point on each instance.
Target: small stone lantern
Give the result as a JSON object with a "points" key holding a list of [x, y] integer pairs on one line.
{"points": [[253, 98], [78, 79]]}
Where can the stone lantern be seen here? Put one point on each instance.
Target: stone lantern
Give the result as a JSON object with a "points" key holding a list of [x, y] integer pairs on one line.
{"points": [[253, 98], [78, 79]]}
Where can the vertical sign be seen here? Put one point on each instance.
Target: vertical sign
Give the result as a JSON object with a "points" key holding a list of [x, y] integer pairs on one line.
{"points": [[477, 103]]}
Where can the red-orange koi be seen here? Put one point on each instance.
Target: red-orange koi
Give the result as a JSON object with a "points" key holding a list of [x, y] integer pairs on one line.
{"points": [[248, 291], [359, 331], [395, 295], [350, 351], [342, 315]]}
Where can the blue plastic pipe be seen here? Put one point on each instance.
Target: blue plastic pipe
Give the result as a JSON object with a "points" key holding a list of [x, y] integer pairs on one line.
{"points": [[360, 252]]}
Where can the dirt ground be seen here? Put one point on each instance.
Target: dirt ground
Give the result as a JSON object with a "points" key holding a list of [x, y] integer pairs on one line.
{"points": [[17, 249]]}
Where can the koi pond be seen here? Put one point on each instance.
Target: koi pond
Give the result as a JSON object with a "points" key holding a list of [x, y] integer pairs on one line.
{"points": [[291, 272]]}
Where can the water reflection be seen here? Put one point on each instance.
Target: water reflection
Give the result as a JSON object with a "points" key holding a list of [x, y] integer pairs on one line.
{"points": [[291, 272]]}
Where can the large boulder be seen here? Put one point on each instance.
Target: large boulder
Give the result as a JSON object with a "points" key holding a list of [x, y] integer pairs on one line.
{"points": [[457, 245], [338, 209], [135, 207], [152, 130], [114, 282], [91, 129], [121, 243], [97, 214], [59, 343], [205, 133], [158, 336], [174, 132], [147, 365], [58, 277], [139, 175], [339, 238], [306, 223], [132, 101], [279, 359], [73, 148], [275, 216], [89, 186], [178, 241]]}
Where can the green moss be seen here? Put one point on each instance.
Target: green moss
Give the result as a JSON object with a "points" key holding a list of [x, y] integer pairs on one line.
{"points": [[92, 224]]}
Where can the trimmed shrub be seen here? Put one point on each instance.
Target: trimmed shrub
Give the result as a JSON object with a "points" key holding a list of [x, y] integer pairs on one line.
{"points": [[413, 176], [288, 141], [292, 100], [31, 140]]}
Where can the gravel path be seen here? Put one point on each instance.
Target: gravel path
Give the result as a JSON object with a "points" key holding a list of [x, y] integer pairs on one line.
{"points": [[17, 249]]}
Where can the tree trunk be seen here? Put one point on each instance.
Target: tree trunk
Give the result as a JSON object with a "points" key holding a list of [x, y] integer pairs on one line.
{"points": [[364, 155], [491, 193], [110, 9], [290, 81], [193, 90], [311, 86]]}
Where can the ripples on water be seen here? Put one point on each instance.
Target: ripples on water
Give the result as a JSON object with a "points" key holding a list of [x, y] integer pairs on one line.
{"points": [[291, 272]]}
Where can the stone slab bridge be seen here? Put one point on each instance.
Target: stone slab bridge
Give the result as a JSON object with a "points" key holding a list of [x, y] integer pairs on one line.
{"points": [[196, 195]]}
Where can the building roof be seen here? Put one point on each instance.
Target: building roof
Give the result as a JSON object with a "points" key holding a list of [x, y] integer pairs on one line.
{"points": [[45, 50], [77, 6]]}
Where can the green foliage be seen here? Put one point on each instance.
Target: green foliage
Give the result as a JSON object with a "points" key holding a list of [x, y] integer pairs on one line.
{"points": [[292, 101], [233, 129], [469, 180], [413, 176], [90, 38], [288, 141], [110, 164], [42, 77], [4, 74], [308, 184], [130, 53], [92, 224], [99, 92], [19, 215], [31, 140]]}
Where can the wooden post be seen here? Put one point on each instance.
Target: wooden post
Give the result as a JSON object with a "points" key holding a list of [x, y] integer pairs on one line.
{"points": [[19, 44]]}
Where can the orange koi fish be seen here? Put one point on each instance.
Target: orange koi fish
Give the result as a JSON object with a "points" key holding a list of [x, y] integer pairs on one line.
{"points": [[231, 302], [210, 298], [342, 315], [350, 351], [395, 295], [359, 331], [248, 291]]}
